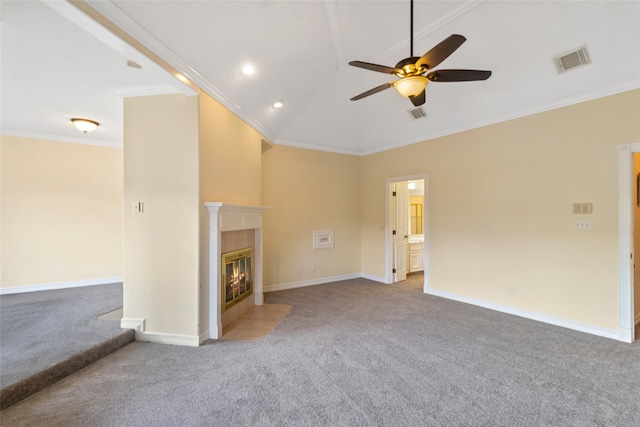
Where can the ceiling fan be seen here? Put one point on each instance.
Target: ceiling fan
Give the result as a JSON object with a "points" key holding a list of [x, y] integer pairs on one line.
{"points": [[411, 70]]}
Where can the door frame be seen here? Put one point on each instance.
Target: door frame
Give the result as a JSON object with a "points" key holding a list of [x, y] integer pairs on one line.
{"points": [[388, 267], [626, 325]]}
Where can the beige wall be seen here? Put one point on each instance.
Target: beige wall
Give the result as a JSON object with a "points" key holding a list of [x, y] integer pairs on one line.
{"points": [[230, 172], [61, 210], [161, 245], [310, 190], [499, 209], [230, 161]]}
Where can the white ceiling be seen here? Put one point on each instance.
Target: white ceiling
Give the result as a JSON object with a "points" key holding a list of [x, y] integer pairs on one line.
{"points": [[57, 63]]}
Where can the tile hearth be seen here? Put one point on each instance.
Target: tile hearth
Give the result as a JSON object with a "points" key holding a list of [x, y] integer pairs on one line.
{"points": [[256, 324]]}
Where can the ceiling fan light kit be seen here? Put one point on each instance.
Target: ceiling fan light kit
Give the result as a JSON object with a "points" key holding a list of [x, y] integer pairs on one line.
{"points": [[411, 70], [411, 86]]}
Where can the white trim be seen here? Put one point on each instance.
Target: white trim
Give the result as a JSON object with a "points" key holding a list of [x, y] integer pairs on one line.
{"points": [[380, 279], [577, 326], [132, 323], [138, 325], [122, 20], [307, 146], [205, 336], [59, 285], [175, 339], [97, 30], [230, 217], [58, 138], [565, 102], [625, 240], [388, 227], [312, 282], [147, 90]]}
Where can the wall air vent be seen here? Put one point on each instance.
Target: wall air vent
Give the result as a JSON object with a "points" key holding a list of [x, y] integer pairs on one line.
{"points": [[573, 59], [418, 113]]}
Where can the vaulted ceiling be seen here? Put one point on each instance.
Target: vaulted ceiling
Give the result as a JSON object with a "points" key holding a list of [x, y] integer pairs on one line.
{"points": [[58, 63]]}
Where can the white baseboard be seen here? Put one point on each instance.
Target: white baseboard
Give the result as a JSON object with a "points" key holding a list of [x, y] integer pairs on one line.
{"points": [[204, 337], [577, 326], [312, 282], [59, 285], [380, 279], [132, 323], [175, 339], [138, 325]]}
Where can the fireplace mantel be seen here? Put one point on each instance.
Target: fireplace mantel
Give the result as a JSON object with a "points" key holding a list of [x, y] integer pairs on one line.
{"points": [[231, 217]]}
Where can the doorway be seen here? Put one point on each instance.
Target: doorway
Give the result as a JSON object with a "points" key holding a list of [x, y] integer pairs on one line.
{"points": [[406, 228], [635, 275], [627, 205]]}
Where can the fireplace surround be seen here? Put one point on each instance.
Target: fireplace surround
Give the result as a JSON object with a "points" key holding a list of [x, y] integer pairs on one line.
{"points": [[225, 218]]}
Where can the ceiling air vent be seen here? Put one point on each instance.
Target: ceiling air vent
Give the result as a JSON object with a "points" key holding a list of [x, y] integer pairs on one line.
{"points": [[418, 113], [133, 64], [571, 60]]}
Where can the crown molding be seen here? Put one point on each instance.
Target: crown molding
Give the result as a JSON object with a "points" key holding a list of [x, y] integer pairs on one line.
{"points": [[114, 14], [148, 90], [87, 23], [316, 147], [58, 138], [553, 105]]}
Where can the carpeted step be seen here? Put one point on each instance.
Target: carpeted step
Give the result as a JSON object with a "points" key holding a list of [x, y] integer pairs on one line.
{"points": [[22, 389]]}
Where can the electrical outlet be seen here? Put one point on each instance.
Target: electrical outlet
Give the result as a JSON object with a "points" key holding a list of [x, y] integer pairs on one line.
{"points": [[299, 269], [138, 207], [313, 268], [582, 224], [512, 291], [4, 274]]}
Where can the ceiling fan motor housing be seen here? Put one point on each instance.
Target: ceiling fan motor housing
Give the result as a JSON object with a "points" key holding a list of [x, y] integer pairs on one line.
{"points": [[408, 66]]}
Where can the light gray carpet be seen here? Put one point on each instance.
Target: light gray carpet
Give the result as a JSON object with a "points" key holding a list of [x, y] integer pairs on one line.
{"points": [[41, 329], [357, 353]]}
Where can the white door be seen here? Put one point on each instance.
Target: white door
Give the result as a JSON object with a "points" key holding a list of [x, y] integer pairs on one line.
{"points": [[400, 230]]}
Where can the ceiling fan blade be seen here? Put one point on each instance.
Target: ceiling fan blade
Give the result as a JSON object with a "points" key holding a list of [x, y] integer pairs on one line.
{"points": [[440, 52], [372, 91], [418, 100], [375, 67], [458, 75]]}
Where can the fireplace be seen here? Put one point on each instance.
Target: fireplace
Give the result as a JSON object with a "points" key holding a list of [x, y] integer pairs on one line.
{"points": [[237, 277], [234, 247]]}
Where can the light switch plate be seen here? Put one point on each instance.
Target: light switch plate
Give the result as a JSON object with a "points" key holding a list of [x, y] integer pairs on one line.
{"points": [[582, 208], [138, 207]]}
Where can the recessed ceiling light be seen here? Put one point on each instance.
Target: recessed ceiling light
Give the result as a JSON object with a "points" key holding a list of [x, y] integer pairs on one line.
{"points": [[248, 70], [278, 104]]}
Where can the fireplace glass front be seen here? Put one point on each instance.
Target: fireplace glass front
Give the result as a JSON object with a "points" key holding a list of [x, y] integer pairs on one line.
{"points": [[237, 276]]}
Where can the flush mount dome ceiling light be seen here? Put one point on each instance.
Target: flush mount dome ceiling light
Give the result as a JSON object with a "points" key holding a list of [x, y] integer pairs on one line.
{"points": [[278, 104], [85, 125]]}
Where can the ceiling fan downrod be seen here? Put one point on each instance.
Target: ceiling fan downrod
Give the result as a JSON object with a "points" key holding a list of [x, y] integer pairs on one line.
{"points": [[411, 34]]}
